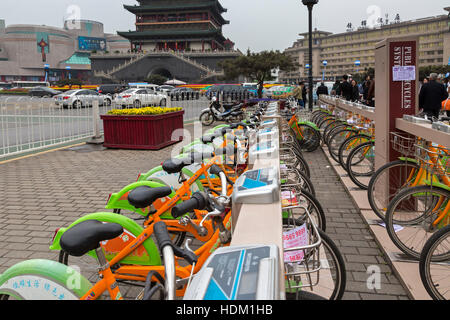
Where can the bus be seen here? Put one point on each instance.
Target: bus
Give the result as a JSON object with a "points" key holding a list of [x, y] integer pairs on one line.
{"points": [[29, 84]]}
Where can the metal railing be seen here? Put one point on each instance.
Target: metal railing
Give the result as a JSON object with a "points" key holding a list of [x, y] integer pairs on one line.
{"points": [[32, 124], [28, 124]]}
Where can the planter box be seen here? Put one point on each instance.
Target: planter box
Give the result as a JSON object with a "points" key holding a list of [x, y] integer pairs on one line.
{"points": [[141, 132]]}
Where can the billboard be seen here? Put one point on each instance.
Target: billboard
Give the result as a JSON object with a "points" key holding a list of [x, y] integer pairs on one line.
{"points": [[89, 44]]}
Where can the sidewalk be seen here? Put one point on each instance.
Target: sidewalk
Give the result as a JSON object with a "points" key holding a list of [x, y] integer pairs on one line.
{"points": [[51, 190], [348, 230]]}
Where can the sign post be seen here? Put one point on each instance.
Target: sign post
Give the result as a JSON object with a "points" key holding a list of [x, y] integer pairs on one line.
{"points": [[396, 92]]}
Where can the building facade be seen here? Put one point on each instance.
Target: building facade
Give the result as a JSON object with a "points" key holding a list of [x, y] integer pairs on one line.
{"points": [[194, 25], [34, 53], [354, 51]]}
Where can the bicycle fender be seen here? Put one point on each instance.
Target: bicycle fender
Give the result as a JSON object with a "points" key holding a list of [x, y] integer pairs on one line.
{"points": [[408, 159], [40, 279], [147, 254], [309, 123]]}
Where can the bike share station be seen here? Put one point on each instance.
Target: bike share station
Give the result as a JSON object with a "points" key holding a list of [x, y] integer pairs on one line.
{"points": [[251, 267], [259, 264], [396, 106]]}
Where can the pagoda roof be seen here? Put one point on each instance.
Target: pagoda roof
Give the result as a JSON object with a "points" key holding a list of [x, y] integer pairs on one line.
{"points": [[162, 34], [159, 7]]}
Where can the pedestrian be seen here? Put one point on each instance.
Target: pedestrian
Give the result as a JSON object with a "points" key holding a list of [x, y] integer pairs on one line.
{"points": [[355, 91], [298, 95], [346, 88], [304, 93], [336, 88], [371, 93], [431, 96], [446, 103], [322, 89], [366, 86]]}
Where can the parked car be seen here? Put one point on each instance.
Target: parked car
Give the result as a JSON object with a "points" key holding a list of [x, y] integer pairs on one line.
{"points": [[81, 98], [138, 98], [179, 90], [112, 89], [43, 92], [251, 87], [226, 89], [165, 88]]}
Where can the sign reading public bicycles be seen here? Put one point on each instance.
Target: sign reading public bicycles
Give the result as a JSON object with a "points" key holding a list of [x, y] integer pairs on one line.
{"points": [[89, 44]]}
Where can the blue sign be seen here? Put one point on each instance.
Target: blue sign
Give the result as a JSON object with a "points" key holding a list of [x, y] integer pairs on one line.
{"points": [[325, 62], [357, 63], [89, 44], [449, 61], [307, 66], [46, 66]]}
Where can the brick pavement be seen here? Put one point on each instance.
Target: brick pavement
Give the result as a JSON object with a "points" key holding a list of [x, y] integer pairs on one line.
{"points": [[348, 230], [51, 190]]}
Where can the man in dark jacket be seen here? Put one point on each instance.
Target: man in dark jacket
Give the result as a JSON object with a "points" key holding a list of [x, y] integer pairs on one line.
{"points": [[322, 89], [346, 88], [431, 96]]}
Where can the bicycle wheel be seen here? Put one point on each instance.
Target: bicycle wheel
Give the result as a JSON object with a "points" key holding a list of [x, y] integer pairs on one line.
{"points": [[361, 164], [293, 175], [331, 128], [333, 270], [311, 138], [332, 131], [387, 182], [435, 276], [325, 121], [302, 165], [304, 199], [336, 139], [415, 209], [348, 145]]}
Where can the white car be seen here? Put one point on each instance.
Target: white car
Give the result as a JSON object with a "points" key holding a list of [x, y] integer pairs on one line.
{"points": [[81, 98], [137, 98], [165, 88]]}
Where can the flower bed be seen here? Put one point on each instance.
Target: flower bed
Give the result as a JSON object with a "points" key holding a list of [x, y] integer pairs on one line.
{"points": [[144, 128]]}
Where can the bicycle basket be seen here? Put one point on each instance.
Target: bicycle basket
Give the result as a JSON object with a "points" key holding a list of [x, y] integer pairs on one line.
{"points": [[403, 143]]}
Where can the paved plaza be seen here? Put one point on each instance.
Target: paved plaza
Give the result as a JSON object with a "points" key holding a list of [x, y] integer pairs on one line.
{"points": [[51, 190]]}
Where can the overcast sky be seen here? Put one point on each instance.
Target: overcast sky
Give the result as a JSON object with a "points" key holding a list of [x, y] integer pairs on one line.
{"points": [[255, 24]]}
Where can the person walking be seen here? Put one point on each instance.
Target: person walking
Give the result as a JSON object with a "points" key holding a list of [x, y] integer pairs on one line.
{"points": [[304, 94], [335, 91], [431, 96], [355, 91], [371, 93], [298, 95], [346, 88], [366, 86], [322, 89]]}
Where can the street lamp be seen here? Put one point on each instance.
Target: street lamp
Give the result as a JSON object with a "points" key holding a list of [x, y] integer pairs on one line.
{"points": [[310, 4]]}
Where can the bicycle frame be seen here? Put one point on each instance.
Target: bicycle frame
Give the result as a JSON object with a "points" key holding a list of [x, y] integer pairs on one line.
{"points": [[139, 273]]}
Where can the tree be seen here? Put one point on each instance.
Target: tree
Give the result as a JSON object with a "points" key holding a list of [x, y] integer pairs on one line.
{"points": [[425, 72], [156, 79], [257, 66]]}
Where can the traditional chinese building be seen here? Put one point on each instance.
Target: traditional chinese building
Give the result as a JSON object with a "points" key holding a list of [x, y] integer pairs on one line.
{"points": [[180, 25]]}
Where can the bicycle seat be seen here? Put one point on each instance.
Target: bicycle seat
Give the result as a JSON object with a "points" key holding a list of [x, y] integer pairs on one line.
{"points": [[210, 137], [176, 165], [144, 196], [87, 235]]}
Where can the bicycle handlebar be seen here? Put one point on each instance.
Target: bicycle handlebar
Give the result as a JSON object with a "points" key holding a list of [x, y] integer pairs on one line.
{"points": [[197, 201]]}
